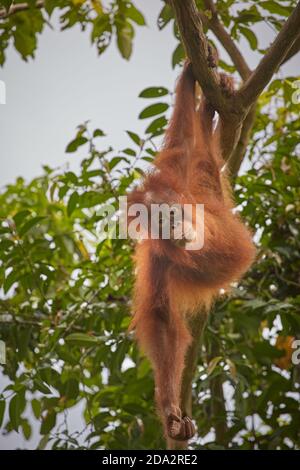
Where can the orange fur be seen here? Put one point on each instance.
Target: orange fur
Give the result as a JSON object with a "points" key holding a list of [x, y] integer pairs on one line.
{"points": [[171, 281]]}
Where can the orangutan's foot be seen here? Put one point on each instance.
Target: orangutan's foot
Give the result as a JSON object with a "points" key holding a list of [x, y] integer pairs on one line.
{"points": [[179, 428]]}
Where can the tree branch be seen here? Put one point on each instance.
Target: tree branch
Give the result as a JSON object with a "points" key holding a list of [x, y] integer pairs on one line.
{"points": [[239, 152], [196, 45], [230, 132], [229, 108], [197, 325], [293, 50], [276, 54], [235, 108], [20, 7], [218, 408], [225, 39]]}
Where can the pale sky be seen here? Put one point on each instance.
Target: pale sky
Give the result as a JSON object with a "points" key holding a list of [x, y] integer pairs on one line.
{"points": [[67, 84]]}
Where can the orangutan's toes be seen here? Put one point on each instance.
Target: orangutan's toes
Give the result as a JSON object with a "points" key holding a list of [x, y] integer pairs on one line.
{"points": [[181, 429], [189, 428]]}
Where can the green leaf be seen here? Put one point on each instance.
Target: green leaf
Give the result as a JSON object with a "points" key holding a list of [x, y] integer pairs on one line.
{"points": [[165, 16], [135, 15], [101, 25], [114, 162], [48, 422], [50, 5], [24, 42], [36, 408], [213, 364], [264, 351], [6, 244], [10, 279], [91, 198], [98, 133], [136, 139], [255, 304], [276, 8], [153, 110], [14, 412], [39, 384], [157, 125], [26, 428], [72, 388], [124, 40], [72, 203], [30, 224], [20, 216], [2, 410], [82, 339], [154, 92], [133, 408], [250, 36], [178, 55], [71, 177], [75, 144], [6, 4], [4, 230], [130, 152], [43, 442]]}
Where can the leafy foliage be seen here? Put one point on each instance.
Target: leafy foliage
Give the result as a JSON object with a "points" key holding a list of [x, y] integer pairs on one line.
{"points": [[102, 21]]}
